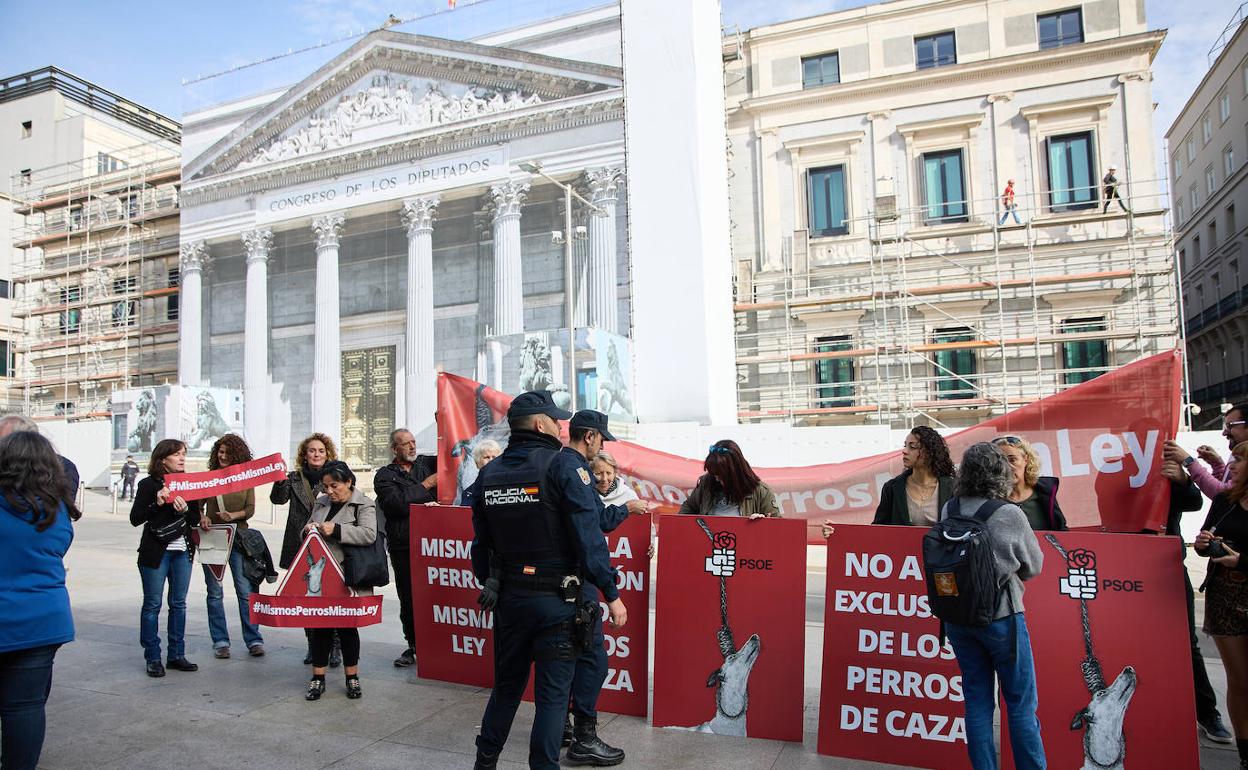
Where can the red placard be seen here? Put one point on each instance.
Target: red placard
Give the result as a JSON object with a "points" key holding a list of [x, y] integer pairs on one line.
{"points": [[233, 478], [1136, 621], [742, 677], [890, 692], [1091, 436], [454, 636], [313, 594]]}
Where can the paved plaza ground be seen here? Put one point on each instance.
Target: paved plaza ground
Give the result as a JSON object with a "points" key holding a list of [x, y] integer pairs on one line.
{"points": [[250, 712]]}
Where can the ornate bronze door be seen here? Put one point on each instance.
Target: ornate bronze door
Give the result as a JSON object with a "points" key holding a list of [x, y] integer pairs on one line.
{"points": [[367, 406]]}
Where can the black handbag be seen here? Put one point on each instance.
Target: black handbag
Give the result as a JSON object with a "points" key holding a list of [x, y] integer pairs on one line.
{"points": [[364, 566], [169, 531]]}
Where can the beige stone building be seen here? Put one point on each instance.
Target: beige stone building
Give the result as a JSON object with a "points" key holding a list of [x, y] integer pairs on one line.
{"points": [[880, 277], [1208, 144], [92, 185]]}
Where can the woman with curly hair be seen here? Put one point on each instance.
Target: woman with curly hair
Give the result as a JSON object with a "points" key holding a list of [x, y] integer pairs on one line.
{"points": [[915, 497], [300, 488], [36, 514], [233, 508], [1035, 494], [730, 487]]}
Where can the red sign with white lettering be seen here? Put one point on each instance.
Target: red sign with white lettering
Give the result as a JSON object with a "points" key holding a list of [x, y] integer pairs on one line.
{"points": [[890, 692], [454, 636], [730, 626], [313, 594]]}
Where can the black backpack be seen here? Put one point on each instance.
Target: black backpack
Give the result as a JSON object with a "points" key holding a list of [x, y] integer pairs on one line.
{"points": [[963, 586]]}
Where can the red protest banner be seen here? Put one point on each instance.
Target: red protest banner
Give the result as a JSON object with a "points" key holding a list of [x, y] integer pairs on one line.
{"points": [[234, 478], [890, 692], [1102, 438], [313, 594], [730, 626], [1108, 626], [454, 636]]}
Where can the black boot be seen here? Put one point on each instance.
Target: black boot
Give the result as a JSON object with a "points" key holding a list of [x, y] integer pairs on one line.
{"points": [[335, 653], [567, 731], [588, 749], [485, 761], [307, 659]]}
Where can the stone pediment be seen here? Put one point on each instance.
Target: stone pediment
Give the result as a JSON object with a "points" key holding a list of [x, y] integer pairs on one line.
{"points": [[393, 84]]}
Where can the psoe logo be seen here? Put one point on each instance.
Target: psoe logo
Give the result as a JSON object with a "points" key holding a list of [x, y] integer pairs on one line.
{"points": [[1080, 580], [723, 559]]}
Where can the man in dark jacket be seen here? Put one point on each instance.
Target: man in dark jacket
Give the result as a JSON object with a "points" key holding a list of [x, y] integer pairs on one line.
{"points": [[129, 472], [403, 483]]}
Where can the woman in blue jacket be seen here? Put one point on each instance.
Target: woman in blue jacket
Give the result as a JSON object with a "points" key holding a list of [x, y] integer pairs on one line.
{"points": [[36, 510]]}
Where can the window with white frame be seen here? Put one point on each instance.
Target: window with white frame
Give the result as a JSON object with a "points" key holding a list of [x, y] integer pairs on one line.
{"points": [[1211, 181], [1178, 165], [1060, 28], [1072, 173], [835, 376], [1182, 212], [1228, 161], [944, 187], [1084, 359], [1191, 150], [825, 196], [1224, 107], [821, 70], [1193, 198], [937, 50], [1206, 128]]}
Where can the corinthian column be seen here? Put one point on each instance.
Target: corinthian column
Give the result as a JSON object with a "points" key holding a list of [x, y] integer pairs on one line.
{"points": [[420, 386], [508, 199], [191, 311], [603, 304], [326, 348], [256, 336]]}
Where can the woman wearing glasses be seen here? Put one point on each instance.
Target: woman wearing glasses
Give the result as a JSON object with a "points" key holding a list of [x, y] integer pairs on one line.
{"points": [[1035, 494]]}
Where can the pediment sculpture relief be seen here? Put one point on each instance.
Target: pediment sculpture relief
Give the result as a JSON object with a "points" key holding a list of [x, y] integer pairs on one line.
{"points": [[385, 102]]}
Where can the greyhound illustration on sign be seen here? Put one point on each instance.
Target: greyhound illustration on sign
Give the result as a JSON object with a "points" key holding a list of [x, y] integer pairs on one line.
{"points": [[730, 680], [1104, 745], [314, 572]]}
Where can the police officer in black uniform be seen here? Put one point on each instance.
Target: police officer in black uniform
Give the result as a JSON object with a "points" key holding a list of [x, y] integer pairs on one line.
{"points": [[535, 516], [586, 433]]}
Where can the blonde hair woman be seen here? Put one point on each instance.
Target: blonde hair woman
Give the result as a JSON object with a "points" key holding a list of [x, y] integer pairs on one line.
{"points": [[1035, 494]]}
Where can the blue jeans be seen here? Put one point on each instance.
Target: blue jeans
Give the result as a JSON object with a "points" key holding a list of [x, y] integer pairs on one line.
{"points": [[1003, 649], [25, 680], [174, 569], [530, 629], [1012, 211], [243, 587]]}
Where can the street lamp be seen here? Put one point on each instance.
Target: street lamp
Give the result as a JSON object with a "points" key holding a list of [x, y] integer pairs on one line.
{"points": [[566, 238]]}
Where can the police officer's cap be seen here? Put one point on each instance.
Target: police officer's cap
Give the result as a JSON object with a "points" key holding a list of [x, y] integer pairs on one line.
{"points": [[588, 418], [536, 402]]}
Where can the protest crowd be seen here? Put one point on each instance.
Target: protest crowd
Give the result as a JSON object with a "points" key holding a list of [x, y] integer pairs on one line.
{"points": [[530, 547]]}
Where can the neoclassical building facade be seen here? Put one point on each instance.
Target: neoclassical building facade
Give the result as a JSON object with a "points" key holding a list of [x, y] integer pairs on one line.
{"points": [[392, 215]]}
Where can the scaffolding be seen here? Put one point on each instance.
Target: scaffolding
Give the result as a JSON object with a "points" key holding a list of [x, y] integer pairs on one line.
{"points": [[96, 278], [923, 320]]}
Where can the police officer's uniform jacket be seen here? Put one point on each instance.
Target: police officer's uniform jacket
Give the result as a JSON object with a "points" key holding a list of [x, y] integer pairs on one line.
{"points": [[536, 511]]}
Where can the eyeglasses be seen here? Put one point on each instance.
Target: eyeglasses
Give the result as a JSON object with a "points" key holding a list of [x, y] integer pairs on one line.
{"points": [[1011, 440], [1233, 423]]}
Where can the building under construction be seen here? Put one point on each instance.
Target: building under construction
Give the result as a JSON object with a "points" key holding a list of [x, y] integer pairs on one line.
{"points": [[95, 251], [943, 210]]}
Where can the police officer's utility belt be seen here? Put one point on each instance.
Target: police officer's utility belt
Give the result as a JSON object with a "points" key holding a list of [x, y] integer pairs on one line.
{"points": [[567, 587]]}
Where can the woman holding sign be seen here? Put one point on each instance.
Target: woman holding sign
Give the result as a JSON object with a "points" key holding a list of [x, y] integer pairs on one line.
{"points": [[165, 553], [343, 516], [300, 489], [730, 487], [232, 508]]}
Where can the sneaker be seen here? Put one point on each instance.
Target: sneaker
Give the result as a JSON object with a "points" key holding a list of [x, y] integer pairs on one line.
{"points": [[256, 650], [154, 669], [405, 659], [182, 664], [1213, 730], [221, 653]]}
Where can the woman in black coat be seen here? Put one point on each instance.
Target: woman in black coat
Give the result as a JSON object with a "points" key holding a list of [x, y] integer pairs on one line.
{"points": [[165, 554], [1035, 494], [300, 488], [917, 495]]}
